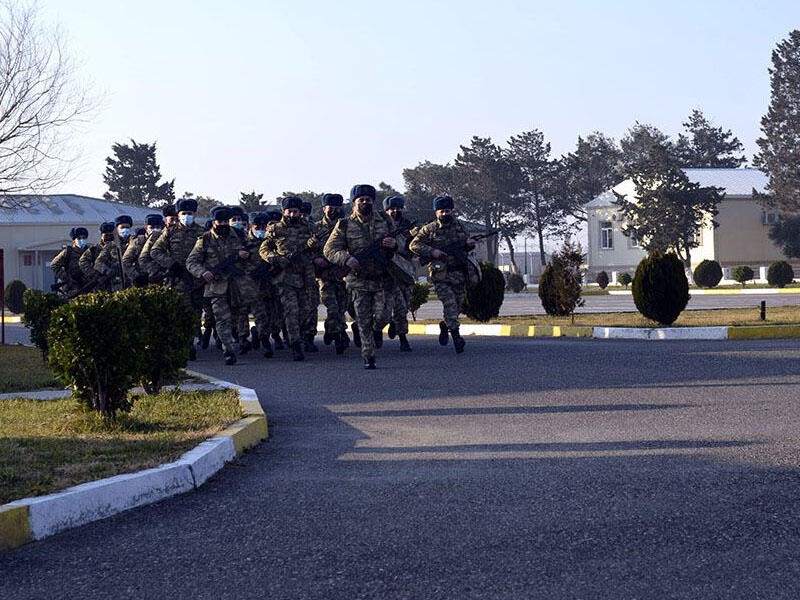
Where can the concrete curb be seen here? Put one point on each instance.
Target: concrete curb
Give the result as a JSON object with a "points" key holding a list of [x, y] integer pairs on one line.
{"points": [[31, 519]]}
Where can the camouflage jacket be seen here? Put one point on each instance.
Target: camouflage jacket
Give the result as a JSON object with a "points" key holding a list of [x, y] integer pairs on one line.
{"points": [[209, 252], [109, 263], [130, 259], [433, 236], [173, 246], [66, 265], [88, 259], [353, 234], [289, 249]]}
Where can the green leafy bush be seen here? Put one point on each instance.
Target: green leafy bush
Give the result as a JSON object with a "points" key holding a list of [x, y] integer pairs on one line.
{"points": [[660, 287], [515, 283], [624, 279], [743, 274], [707, 274], [36, 316], [602, 280], [560, 283], [484, 300], [419, 296], [164, 335], [14, 296], [780, 274]]}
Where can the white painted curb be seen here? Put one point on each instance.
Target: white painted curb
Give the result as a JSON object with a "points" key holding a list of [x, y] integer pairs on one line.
{"points": [[665, 333]]}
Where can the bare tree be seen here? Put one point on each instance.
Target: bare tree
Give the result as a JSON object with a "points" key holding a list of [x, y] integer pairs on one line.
{"points": [[41, 102]]}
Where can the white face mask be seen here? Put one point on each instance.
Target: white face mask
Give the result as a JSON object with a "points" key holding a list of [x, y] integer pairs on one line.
{"points": [[186, 219], [82, 243]]}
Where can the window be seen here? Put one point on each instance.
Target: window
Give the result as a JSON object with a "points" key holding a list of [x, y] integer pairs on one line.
{"points": [[633, 242], [769, 217], [606, 237]]}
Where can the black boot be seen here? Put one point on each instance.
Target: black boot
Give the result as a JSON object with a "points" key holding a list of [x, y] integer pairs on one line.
{"points": [[377, 336], [369, 363], [404, 345], [329, 336], [268, 353], [308, 344], [278, 341], [256, 341], [245, 346], [340, 343], [442, 333], [297, 352], [230, 358], [458, 341], [356, 335], [205, 339], [392, 330]]}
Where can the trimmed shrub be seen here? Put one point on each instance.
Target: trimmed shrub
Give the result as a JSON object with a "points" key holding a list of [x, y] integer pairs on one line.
{"points": [[164, 335], [560, 282], [660, 287], [36, 317], [602, 280], [419, 296], [515, 283], [707, 274], [780, 274], [483, 301], [624, 279], [14, 296], [743, 274]]}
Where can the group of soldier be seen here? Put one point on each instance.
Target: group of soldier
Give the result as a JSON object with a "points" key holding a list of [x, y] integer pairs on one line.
{"points": [[279, 266]]}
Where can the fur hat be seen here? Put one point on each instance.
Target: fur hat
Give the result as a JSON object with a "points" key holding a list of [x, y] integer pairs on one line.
{"points": [[273, 213], [124, 220], [221, 213], [292, 202], [362, 189], [306, 208], [443, 202], [186, 205], [332, 200], [154, 220], [259, 219], [396, 201], [169, 210], [107, 227], [76, 232]]}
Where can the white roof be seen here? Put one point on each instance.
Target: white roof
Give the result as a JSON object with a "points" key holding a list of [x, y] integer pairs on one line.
{"points": [[67, 208], [735, 182]]}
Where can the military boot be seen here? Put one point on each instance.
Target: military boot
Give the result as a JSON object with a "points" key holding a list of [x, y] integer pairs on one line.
{"points": [[205, 339], [297, 351], [256, 341], [458, 341], [404, 345], [278, 341], [369, 363], [442, 333], [308, 344], [377, 336], [356, 335], [392, 330], [340, 343], [244, 345], [268, 353], [329, 336], [230, 357]]}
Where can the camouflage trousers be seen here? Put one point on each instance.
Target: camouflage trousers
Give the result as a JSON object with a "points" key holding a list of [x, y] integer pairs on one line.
{"points": [[451, 293], [370, 309], [252, 301], [333, 295], [398, 298], [294, 301], [193, 296], [223, 318], [309, 321]]}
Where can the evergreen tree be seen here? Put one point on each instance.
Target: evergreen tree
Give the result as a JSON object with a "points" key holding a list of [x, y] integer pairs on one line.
{"points": [[779, 155], [589, 171], [708, 146], [643, 148], [423, 183], [251, 202], [132, 176]]}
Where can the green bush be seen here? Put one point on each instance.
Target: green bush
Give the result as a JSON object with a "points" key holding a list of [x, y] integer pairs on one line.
{"points": [[515, 283], [419, 296], [707, 274], [780, 274], [164, 335], [484, 300], [559, 288], [36, 317], [602, 280], [660, 287], [743, 274], [14, 296], [624, 279]]}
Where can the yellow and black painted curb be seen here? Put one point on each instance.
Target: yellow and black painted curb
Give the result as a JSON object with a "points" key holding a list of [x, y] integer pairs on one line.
{"points": [[20, 524]]}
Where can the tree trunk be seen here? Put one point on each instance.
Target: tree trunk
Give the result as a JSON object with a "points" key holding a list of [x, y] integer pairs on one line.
{"points": [[542, 256], [512, 261]]}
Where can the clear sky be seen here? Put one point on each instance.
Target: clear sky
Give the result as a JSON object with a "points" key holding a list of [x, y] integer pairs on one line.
{"points": [[293, 95]]}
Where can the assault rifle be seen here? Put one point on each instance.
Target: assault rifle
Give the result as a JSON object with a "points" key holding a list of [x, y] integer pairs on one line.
{"points": [[375, 251], [458, 249], [225, 267]]}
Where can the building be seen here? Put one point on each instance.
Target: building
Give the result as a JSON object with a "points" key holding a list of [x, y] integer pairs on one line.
{"points": [[34, 228], [740, 239]]}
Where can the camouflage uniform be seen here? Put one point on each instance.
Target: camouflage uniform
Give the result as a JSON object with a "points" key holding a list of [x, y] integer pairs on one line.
{"points": [[131, 264], [283, 240], [398, 294], [252, 292], [448, 278], [170, 251], [87, 260], [209, 251], [332, 290], [67, 270], [109, 263], [367, 285]]}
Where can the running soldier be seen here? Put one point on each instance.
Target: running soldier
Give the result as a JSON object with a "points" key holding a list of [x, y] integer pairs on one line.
{"points": [[66, 267], [131, 264], [89, 257], [332, 290], [398, 294], [109, 261]]}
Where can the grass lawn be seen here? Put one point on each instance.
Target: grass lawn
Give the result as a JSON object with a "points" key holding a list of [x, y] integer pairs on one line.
{"points": [[22, 368]]}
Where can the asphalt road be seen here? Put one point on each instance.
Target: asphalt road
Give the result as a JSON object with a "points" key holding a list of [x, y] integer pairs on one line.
{"points": [[524, 468]]}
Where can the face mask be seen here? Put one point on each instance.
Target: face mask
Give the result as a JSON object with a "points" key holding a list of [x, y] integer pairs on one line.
{"points": [[446, 219], [334, 213], [107, 237], [81, 243], [364, 209], [155, 231], [259, 233], [222, 230], [186, 219], [125, 232], [238, 224], [294, 220]]}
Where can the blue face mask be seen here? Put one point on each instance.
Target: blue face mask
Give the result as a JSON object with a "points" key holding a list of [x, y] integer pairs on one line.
{"points": [[259, 233], [124, 232], [237, 224], [82, 242], [186, 219]]}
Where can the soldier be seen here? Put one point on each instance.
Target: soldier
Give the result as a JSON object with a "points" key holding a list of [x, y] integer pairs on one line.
{"points": [[366, 233], [65, 264], [398, 294], [286, 249], [332, 290], [170, 251], [155, 272], [88, 258], [131, 264], [274, 307], [217, 259], [448, 277], [109, 261]]}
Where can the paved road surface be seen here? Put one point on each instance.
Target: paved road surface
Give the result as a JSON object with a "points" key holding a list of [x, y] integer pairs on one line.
{"points": [[524, 468]]}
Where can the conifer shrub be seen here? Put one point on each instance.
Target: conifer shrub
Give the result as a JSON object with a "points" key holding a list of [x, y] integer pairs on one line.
{"points": [[780, 274], [707, 274], [560, 282], [483, 301], [743, 274], [14, 296], [624, 279], [419, 296], [515, 283], [660, 287], [602, 280], [38, 307]]}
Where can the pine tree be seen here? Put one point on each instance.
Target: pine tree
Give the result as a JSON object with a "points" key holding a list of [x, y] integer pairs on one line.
{"points": [[251, 202], [708, 146], [132, 176]]}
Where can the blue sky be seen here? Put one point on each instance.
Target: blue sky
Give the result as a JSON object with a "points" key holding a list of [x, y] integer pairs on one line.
{"points": [[295, 95]]}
